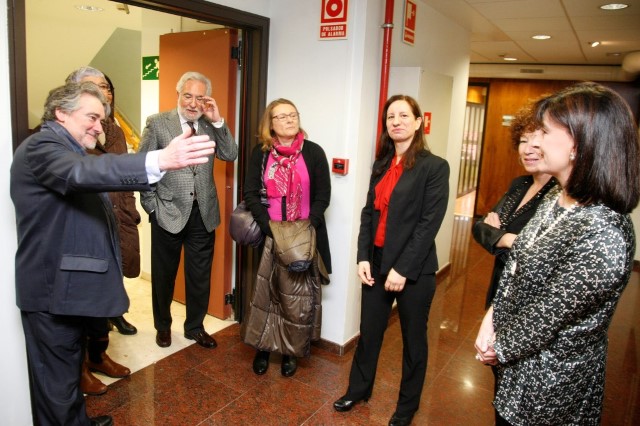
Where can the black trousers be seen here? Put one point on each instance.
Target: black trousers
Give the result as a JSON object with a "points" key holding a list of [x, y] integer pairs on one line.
{"points": [[97, 341], [165, 258], [414, 302], [54, 356]]}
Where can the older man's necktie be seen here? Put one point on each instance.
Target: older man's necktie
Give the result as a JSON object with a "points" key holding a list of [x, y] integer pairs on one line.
{"points": [[193, 168], [193, 129]]}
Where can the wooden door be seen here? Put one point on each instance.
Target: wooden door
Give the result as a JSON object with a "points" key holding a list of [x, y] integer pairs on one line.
{"points": [[207, 52], [499, 163]]}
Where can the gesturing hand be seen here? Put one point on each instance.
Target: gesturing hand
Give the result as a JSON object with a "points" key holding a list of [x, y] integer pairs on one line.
{"points": [[184, 151]]}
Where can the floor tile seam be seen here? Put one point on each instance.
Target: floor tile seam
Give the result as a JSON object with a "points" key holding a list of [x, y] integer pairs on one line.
{"points": [[462, 382], [317, 411], [168, 390], [217, 380], [226, 405], [442, 373], [446, 364]]}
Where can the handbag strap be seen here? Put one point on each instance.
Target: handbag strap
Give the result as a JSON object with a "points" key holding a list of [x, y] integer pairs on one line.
{"points": [[263, 190], [264, 166]]}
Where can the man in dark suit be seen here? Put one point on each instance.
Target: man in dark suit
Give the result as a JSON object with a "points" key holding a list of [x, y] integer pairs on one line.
{"points": [[183, 209], [68, 264]]}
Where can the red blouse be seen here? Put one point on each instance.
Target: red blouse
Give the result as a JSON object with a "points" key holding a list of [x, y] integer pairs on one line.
{"points": [[384, 188]]}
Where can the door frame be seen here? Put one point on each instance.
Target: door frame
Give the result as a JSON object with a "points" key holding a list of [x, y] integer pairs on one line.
{"points": [[255, 53]]}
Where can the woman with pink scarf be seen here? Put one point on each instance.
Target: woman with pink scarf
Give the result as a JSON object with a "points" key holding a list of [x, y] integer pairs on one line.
{"points": [[287, 180]]}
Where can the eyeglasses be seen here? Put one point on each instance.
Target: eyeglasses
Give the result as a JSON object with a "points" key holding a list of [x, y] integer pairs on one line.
{"points": [[282, 117], [105, 88], [189, 97]]}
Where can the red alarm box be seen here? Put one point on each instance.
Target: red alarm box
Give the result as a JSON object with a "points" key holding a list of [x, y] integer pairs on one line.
{"points": [[340, 166]]}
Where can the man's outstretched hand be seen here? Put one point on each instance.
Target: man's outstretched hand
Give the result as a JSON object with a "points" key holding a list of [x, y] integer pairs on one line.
{"points": [[184, 151]]}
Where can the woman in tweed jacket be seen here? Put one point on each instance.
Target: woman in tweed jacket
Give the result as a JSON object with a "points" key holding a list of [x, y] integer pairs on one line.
{"points": [[547, 328]]}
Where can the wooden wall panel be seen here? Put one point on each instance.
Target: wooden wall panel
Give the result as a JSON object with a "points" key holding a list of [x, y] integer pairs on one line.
{"points": [[499, 162]]}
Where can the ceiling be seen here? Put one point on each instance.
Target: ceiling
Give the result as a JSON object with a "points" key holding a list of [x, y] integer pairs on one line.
{"points": [[500, 28], [505, 27]]}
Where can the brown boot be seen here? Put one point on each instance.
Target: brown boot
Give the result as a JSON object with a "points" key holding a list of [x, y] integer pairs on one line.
{"points": [[108, 367], [89, 383]]}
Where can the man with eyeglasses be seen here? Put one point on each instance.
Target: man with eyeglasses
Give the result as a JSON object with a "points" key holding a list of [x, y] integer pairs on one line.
{"points": [[183, 209]]}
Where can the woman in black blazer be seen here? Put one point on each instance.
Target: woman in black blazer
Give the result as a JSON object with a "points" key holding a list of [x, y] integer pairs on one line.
{"points": [[406, 202]]}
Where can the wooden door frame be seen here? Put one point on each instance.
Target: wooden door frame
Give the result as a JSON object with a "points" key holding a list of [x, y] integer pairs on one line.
{"points": [[255, 52]]}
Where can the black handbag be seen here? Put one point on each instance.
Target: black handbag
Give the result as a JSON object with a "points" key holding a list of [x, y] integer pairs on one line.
{"points": [[243, 227]]}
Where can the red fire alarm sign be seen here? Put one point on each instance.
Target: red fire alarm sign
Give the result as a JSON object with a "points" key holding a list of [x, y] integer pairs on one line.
{"points": [[409, 27], [333, 19]]}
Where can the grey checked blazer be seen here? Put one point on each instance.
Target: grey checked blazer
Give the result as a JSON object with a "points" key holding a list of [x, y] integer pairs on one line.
{"points": [[172, 198]]}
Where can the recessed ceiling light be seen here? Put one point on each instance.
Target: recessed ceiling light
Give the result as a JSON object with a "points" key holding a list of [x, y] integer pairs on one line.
{"points": [[88, 8], [594, 43], [510, 58], [541, 37], [614, 6]]}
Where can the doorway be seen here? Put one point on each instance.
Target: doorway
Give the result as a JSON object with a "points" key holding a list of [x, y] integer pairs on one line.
{"points": [[472, 138]]}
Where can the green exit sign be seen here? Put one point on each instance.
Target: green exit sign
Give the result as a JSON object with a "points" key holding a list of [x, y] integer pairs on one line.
{"points": [[150, 67]]}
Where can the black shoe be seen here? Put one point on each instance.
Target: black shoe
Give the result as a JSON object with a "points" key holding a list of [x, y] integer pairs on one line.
{"points": [[343, 404], [202, 338], [101, 421], [261, 362], [289, 365], [397, 420], [123, 326], [163, 338]]}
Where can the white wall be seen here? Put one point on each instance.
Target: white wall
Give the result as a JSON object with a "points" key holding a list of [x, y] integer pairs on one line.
{"points": [[335, 84], [48, 69], [14, 390]]}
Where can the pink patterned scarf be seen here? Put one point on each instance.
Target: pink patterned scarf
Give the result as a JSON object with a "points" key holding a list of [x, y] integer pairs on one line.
{"points": [[283, 179]]}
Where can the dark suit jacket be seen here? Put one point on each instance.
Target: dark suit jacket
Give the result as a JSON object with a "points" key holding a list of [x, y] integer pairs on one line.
{"points": [[68, 257], [172, 198], [416, 209]]}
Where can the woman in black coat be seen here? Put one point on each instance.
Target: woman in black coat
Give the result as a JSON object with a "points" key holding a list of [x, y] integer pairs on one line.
{"points": [[497, 230], [290, 174], [397, 261]]}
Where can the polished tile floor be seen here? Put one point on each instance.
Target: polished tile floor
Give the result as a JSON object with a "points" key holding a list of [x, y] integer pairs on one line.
{"points": [[190, 385]]}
